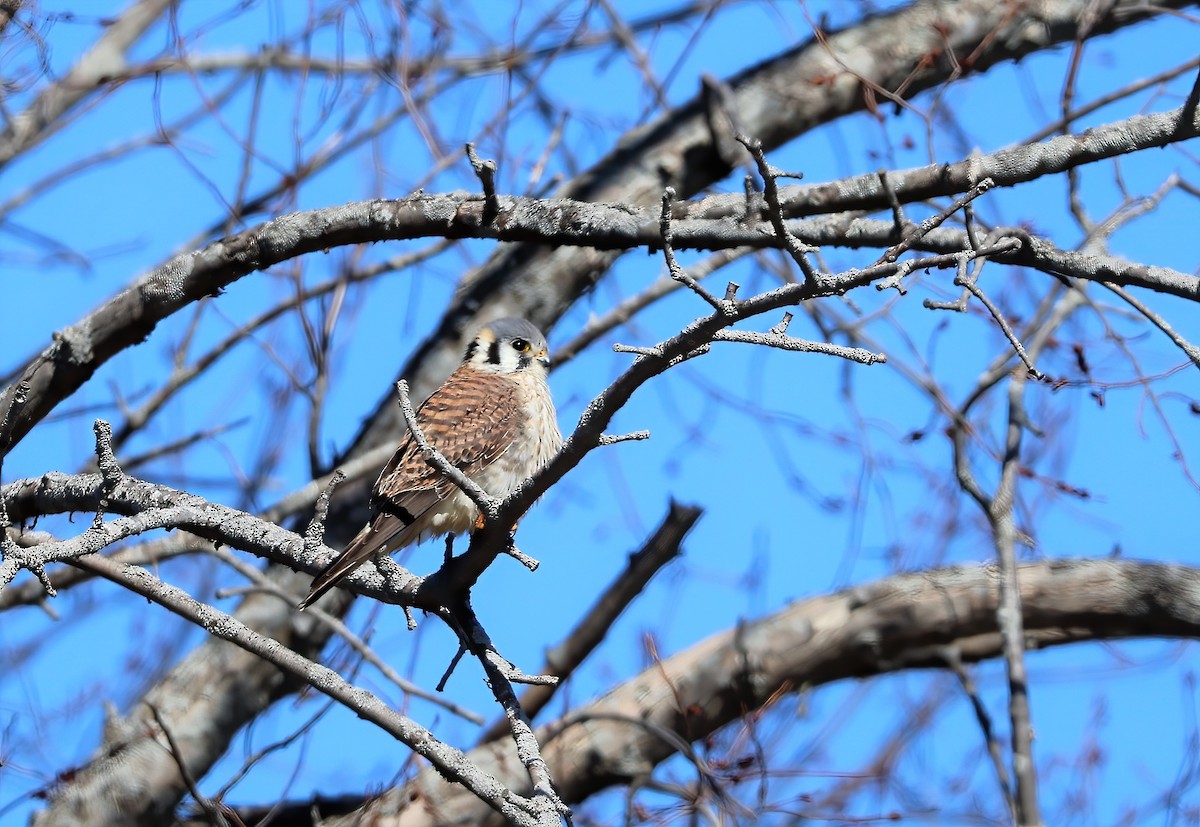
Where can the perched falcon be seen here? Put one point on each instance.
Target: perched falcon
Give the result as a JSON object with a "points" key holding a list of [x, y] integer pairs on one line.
{"points": [[493, 419]]}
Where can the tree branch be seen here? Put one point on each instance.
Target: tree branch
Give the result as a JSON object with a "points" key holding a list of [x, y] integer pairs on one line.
{"points": [[564, 657], [131, 315], [900, 622], [449, 761]]}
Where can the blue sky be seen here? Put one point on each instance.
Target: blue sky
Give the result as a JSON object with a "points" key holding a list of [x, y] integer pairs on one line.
{"points": [[766, 536]]}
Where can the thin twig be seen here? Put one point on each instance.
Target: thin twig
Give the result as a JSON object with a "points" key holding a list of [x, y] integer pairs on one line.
{"points": [[652, 352], [263, 583], [7, 544], [594, 328], [529, 752], [521, 557], [487, 504], [183, 375], [1009, 616], [778, 340], [955, 663], [512, 673], [314, 534], [959, 305], [917, 232], [903, 224], [486, 171], [183, 443], [677, 272], [970, 285], [799, 252], [593, 625], [451, 762], [613, 439], [110, 470], [1192, 352], [462, 650], [214, 811]]}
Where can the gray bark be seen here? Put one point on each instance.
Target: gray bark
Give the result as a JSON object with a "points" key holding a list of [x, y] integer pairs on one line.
{"points": [[909, 621], [776, 101]]}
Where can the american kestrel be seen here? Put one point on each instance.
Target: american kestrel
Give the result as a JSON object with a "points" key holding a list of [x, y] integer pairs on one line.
{"points": [[493, 419]]}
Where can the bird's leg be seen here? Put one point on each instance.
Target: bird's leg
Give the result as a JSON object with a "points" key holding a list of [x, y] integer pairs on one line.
{"points": [[449, 547], [479, 524], [510, 547]]}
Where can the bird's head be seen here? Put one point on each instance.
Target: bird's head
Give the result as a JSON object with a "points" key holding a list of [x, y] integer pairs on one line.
{"points": [[508, 345]]}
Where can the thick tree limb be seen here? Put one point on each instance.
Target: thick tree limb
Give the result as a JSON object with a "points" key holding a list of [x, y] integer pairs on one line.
{"points": [[775, 101], [677, 148], [128, 318], [900, 622]]}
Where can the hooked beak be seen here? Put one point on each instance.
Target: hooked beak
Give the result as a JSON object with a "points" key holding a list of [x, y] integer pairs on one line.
{"points": [[544, 359]]}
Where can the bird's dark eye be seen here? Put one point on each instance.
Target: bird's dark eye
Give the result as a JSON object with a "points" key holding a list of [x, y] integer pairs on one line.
{"points": [[521, 345]]}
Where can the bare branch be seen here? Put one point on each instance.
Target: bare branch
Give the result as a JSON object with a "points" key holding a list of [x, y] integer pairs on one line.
{"points": [[611, 439], [521, 557], [448, 760], [265, 584], [782, 342], [130, 316], [1192, 352], [562, 659], [147, 506], [900, 622], [556, 250], [499, 673], [1010, 614], [102, 61], [8, 547], [919, 231], [488, 505], [798, 251], [110, 471], [678, 273], [144, 554], [970, 285], [213, 810], [183, 375], [955, 664], [486, 170]]}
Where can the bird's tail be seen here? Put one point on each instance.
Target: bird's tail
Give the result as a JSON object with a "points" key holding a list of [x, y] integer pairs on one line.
{"points": [[384, 533]]}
